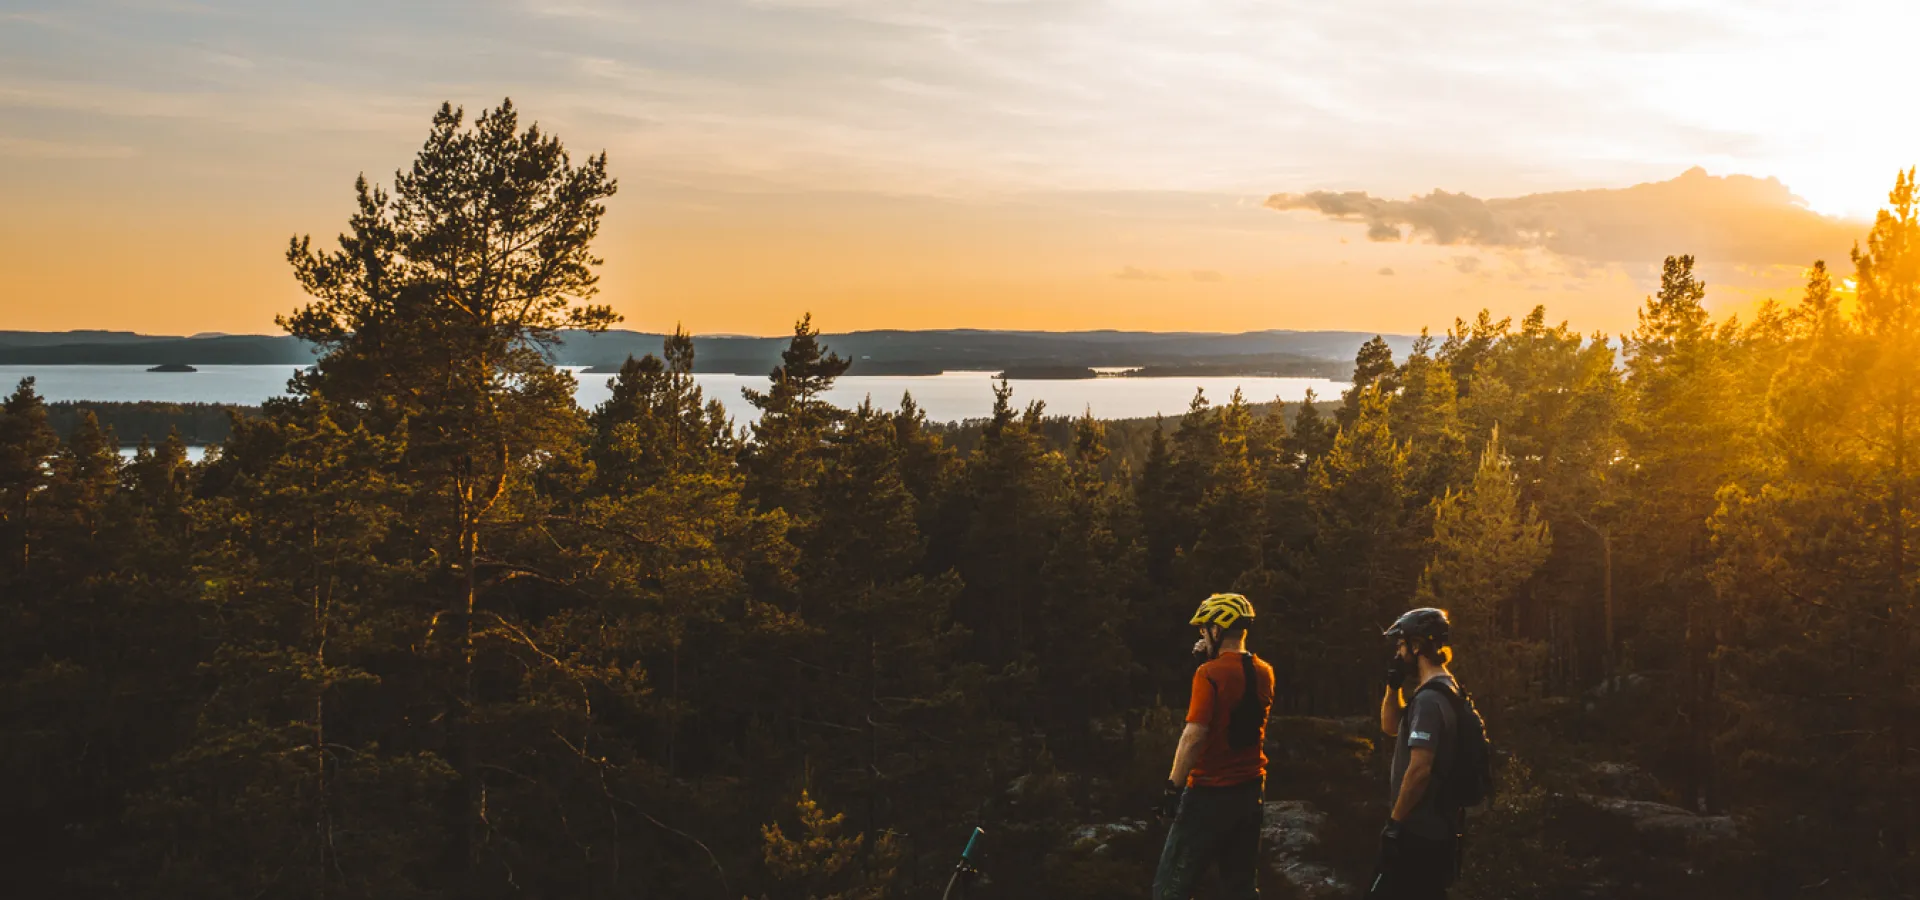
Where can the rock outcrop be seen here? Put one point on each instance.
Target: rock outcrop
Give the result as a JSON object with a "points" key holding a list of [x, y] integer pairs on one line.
{"points": [[1098, 839], [1664, 822], [1289, 836]]}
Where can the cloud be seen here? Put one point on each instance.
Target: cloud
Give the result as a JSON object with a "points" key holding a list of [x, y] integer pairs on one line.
{"points": [[228, 60], [304, 108], [1386, 271], [1135, 273], [1733, 219], [1466, 265], [29, 148]]}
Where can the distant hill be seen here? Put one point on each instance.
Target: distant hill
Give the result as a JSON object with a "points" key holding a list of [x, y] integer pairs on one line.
{"points": [[123, 349], [11, 339], [1325, 353]]}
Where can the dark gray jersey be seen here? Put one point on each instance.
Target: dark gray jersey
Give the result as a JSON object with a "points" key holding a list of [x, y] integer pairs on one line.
{"points": [[1429, 721]]}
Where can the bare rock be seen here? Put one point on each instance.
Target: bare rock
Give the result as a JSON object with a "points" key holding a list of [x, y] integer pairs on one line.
{"points": [[1624, 780], [1290, 832], [1660, 820], [1632, 683], [1110, 730], [1291, 826], [1098, 839]]}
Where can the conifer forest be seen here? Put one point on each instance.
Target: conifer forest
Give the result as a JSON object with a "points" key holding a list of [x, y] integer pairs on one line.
{"points": [[425, 628]]}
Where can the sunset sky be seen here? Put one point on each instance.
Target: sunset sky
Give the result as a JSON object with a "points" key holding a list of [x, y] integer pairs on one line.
{"points": [[1204, 165]]}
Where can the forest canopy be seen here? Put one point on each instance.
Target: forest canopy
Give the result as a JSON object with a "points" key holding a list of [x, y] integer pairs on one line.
{"points": [[424, 628]]}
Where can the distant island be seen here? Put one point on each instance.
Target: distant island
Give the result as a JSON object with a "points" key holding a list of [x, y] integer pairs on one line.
{"points": [[1305, 369], [1058, 373], [173, 367]]}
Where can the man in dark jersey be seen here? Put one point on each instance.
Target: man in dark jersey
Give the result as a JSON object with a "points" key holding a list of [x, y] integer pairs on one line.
{"points": [[1215, 789], [1419, 846]]}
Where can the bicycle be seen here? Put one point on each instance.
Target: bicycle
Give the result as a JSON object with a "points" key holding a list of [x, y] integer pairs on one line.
{"points": [[964, 871]]}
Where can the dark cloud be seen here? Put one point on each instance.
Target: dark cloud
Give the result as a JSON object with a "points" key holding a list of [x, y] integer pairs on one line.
{"points": [[1135, 273], [1467, 265], [1386, 271], [1735, 219]]}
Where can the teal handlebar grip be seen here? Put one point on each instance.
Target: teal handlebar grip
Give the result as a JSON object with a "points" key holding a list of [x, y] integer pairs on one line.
{"points": [[967, 854]]}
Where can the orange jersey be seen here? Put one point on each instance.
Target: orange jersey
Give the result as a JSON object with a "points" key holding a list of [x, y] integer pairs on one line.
{"points": [[1218, 686]]}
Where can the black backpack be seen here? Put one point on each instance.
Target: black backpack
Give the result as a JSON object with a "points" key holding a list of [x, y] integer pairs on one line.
{"points": [[1249, 715], [1469, 781]]}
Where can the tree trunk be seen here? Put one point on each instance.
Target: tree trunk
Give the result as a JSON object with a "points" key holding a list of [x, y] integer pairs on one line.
{"points": [[673, 713], [465, 806], [873, 737], [1608, 660], [323, 825]]}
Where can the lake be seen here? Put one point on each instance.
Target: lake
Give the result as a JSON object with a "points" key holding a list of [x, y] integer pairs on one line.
{"points": [[948, 397]]}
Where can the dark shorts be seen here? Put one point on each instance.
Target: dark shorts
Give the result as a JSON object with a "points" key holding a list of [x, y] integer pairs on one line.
{"points": [[1216, 826], [1423, 870]]}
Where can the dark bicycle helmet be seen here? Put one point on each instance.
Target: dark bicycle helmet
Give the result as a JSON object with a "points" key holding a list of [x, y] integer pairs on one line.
{"points": [[1424, 625]]}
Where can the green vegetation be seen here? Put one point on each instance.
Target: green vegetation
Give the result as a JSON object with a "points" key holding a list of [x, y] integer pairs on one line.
{"points": [[425, 629], [196, 424]]}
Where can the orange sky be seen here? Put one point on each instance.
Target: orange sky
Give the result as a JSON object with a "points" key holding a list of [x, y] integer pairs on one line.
{"points": [[1046, 165]]}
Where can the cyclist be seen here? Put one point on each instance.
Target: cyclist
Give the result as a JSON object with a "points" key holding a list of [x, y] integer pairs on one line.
{"points": [[1215, 789], [1419, 847]]}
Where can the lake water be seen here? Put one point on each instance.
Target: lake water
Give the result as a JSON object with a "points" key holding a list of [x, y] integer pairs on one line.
{"points": [[948, 397]]}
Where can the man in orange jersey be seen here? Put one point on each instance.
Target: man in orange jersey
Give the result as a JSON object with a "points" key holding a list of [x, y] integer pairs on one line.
{"points": [[1214, 792]]}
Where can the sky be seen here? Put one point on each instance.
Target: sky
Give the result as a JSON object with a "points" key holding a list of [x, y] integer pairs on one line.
{"points": [[1194, 165]]}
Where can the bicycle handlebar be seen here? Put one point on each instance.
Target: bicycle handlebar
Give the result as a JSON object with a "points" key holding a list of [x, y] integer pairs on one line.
{"points": [[972, 841], [963, 871]]}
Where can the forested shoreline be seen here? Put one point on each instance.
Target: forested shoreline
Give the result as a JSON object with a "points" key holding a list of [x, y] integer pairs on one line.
{"points": [[424, 628], [130, 423]]}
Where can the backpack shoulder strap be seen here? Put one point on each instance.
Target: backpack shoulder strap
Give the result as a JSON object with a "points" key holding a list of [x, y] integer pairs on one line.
{"points": [[1445, 687], [1247, 661], [1456, 698]]}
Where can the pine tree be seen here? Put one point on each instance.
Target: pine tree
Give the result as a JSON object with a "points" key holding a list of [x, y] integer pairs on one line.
{"points": [[1159, 505], [86, 477], [785, 458], [1812, 566], [1230, 542], [432, 317], [658, 423], [1365, 532], [1888, 278], [100, 649], [1013, 494], [1372, 368], [1553, 395], [1467, 346], [818, 862], [930, 469], [1426, 413], [1091, 580], [1312, 435], [27, 447], [285, 781], [1684, 437], [1486, 544]]}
